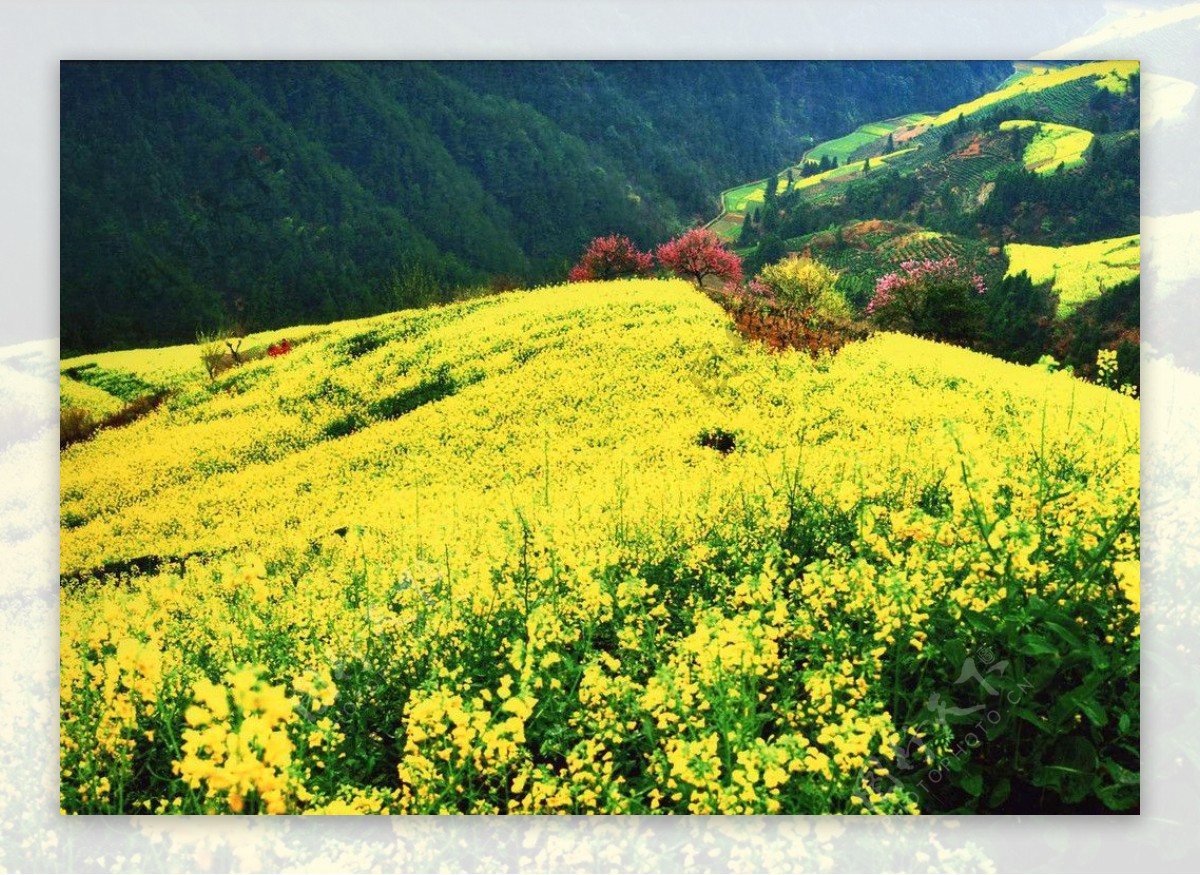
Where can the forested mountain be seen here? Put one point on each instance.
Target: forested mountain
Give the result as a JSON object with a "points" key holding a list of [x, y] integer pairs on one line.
{"points": [[195, 194]]}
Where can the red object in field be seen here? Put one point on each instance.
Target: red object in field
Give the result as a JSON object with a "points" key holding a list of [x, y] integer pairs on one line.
{"points": [[611, 257], [699, 254], [277, 349]]}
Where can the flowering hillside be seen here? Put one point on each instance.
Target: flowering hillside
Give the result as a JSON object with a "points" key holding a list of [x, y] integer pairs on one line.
{"points": [[584, 549]]}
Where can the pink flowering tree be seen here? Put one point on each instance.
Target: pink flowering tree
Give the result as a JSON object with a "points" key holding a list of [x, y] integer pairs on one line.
{"points": [[938, 299], [611, 257], [698, 255]]}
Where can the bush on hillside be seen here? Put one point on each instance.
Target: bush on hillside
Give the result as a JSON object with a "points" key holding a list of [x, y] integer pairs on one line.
{"points": [[759, 315], [74, 424], [802, 283], [1111, 321]]}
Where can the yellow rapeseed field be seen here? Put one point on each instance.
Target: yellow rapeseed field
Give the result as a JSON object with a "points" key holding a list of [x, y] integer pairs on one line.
{"points": [[489, 558], [1109, 75], [1078, 273], [97, 402], [1052, 145]]}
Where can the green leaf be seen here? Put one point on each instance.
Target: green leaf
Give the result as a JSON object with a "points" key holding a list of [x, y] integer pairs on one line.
{"points": [[1119, 797], [1125, 790], [1036, 720], [955, 651], [1067, 635], [1000, 793], [954, 764], [1123, 723], [972, 782], [1036, 645], [980, 622], [1073, 769], [1120, 774], [1099, 655], [1093, 710]]}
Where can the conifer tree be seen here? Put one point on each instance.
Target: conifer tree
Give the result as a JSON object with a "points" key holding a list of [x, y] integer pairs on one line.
{"points": [[746, 236]]}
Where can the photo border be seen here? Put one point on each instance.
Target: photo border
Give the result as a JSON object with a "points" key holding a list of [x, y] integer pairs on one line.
{"points": [[39, 34]]}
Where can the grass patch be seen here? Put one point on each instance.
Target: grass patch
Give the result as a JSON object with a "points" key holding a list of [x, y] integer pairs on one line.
{"points": [[120, 384]]}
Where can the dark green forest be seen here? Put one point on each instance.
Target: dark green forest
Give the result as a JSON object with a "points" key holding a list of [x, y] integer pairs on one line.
{"points": [[199, 195]]}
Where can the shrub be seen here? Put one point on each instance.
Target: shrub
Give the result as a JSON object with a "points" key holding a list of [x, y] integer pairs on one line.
{"points": [[213, 346], [758, 315], [75, 424], [801, 283], [933, 299], [609, 258], [212, 352]]}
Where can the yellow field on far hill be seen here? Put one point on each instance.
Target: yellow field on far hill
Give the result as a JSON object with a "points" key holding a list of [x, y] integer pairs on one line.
{"points": [[1078, 273], [1052, 145], [1110, 75]]}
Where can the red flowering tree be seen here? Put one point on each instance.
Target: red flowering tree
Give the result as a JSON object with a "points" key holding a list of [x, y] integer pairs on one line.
{"points": [[930, 298], [610, 257], [699, 254]]}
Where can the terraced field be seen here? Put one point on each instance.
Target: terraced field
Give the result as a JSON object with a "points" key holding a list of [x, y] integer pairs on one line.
{"points": [[1110, 75], [826, 186], [848, 147], [872, 248], [738, 201]]}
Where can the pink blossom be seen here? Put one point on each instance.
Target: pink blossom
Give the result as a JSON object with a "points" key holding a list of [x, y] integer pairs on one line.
{"points": [[611, 257]]}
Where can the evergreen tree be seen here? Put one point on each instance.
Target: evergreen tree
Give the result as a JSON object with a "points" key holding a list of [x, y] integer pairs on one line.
{"points": [[1016, 144], [1019, 319], [770, 192], [746, 236], [770, 250], [770, 213], [770, 219], [891, 145]]}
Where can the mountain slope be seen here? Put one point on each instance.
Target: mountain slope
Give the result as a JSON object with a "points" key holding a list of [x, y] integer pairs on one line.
{"points": [[276, 193]]}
